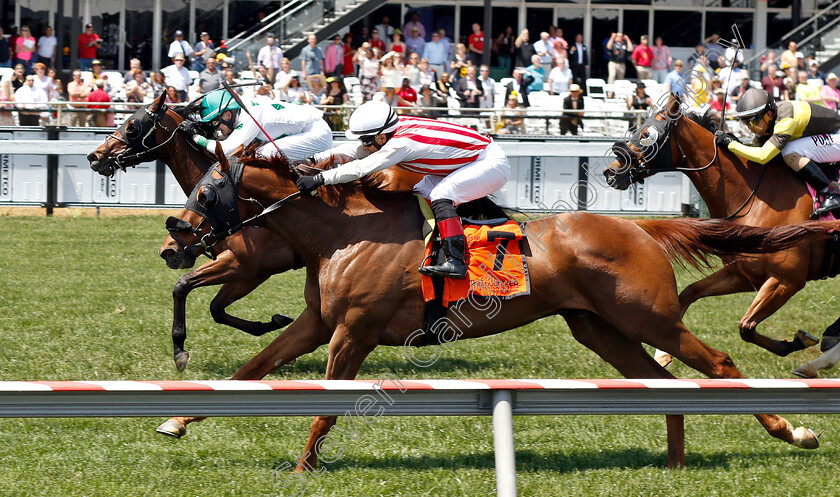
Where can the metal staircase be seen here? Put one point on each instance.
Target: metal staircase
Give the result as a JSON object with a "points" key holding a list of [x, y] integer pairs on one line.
{"points": [[296, 20]]}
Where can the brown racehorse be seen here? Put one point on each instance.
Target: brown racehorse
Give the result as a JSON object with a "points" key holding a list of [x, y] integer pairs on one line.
{"points": [[245, 260], [748, 194], [362, 248]]}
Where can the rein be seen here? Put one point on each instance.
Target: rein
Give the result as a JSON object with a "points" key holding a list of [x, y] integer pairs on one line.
{"points": [[120, 136]]}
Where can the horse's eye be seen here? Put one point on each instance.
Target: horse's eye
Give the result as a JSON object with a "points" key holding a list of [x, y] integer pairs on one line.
{"points": [[207, 197], [132, 129]]}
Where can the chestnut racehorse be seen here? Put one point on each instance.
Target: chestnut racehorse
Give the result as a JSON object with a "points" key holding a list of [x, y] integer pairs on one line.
{"points": [[245, 260], [362, 247], [746, 193]]}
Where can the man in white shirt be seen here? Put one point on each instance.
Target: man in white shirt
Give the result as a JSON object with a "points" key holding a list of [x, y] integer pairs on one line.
{"points": [[178, 76], [270, 56], [545, 50], [385, 29], [46, 47], [179, 46], [28, 94]]}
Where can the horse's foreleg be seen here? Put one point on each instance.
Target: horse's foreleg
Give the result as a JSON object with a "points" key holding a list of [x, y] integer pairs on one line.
{"points": [[304, 335], [772, 295], [632, 361], [235, 290], [346, 356]]}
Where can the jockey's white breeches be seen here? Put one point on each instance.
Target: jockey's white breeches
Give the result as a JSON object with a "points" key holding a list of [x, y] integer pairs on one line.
{"points": [[487, 174]]}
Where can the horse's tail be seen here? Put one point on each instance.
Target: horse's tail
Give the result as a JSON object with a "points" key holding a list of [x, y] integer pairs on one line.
{"points": [[693, 241]]}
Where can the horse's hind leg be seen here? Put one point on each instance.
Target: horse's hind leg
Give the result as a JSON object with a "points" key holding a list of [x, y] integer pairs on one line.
{"points": [[235, 290], [826, 361], [632, 361], [772, 295]]}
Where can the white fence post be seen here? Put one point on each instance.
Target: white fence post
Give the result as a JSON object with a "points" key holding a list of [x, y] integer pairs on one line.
{"points": [[503, 444]]}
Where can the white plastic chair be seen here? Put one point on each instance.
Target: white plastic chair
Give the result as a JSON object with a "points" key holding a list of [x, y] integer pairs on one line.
{"points": [[596, 88]]}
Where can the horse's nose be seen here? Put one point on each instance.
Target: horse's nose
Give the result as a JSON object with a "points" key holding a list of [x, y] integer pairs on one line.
{"points": [[92, 157]]}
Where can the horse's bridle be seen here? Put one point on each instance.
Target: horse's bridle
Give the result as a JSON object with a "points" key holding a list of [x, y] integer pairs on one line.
{"points": [[133, 138]]}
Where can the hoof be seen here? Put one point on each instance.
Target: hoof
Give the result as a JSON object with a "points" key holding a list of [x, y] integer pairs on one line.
{"points": [[805, 371], [807, 339], [805, 438], [828, 343], [663, 358], [281, 320], [172, 428], [181, 360]]}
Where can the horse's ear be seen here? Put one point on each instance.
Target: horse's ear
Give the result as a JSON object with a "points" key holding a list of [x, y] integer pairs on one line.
{"points": [[673, 106], [221, 157], [158, 103]]}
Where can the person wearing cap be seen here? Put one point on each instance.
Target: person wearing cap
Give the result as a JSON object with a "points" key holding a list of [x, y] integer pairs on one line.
{"points": [[830, 93], [299, 130], [100, 95], [202, 52], [571, 122], [334, 57], [802, 132], [640, 100], [270, 56], [96, 74], [178, 76], [89, 42], [800, 62], [814, 71], [459, 165], [179, 46]]}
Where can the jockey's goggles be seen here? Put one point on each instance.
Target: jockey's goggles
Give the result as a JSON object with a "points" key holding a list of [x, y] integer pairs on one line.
{"points": [[753, 120]]}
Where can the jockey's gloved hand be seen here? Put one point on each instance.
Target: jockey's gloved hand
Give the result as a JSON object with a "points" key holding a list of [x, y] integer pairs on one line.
{"points": [[307, 184], [189, 127], [723, 139]]}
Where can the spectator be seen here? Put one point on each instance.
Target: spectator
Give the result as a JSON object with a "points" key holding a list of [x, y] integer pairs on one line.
{"points": [[57, 87], [830, 93], [133, 67], [397, 45], [412, 71], [179, 47], [699, 52], [560, 45], [572, 122], [78, 91], [172, 95], [292, 92], [713, 51], [436, 53], [317, 89], [96, 72], [503, 47], [157, 81], [285, 74], [643, 59], [33, 99], [101, 119], [789, 56], [545, 51], [523, 49], [89, 43], [537, 74], [348, 67], [388, 95], [334, 57], [768, 60], [800, 62], [739, 90], [368, 71], [719, 103], [805, 92], [263, 93], [337, 94], [469, 89], [178, 76], [6, 95], [385, 29], [520, 84], [674, 80], [46, 47], [511, 121], [815, 73], [476, 44], [446, 42], [559, 79], [375, 41], [415, 43], [640, 99], [701, 78], [210, 78], [731, 74], [773, 82], [391, 70], [407, 94], [618, 46], [43, 82], [579, 59], [460, 61], [661, 60], [427, 76], [137, 88], [415, 23], [311, 58], [13, 42], [5, 51], [25, 49], [488, 87], [18, 77], [428, 99], [442, 88], [202, 52], [269, 57]]}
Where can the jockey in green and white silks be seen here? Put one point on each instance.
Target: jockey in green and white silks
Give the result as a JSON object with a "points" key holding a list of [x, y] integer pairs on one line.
{"points": [[299, 130]]}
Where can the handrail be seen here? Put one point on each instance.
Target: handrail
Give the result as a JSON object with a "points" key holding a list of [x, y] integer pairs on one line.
{"points": [[797, 29], [304, 3], [265, 19]]}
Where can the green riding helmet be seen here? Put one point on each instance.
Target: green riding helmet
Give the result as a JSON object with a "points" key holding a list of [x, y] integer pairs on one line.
{"points": [[215, 103]]}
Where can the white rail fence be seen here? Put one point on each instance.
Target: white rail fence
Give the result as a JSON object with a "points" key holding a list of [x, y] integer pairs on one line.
{"points": [[392, 397]]}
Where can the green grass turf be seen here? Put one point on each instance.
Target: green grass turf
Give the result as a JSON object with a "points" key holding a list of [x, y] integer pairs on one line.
{"points": [[88, 298]]}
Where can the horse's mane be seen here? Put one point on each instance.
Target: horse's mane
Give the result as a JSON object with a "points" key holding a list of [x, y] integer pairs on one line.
{"points": [[189, 110], [705, 117]]}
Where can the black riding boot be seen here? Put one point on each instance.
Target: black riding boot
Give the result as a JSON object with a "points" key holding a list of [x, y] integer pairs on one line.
{"points": [[453, 242], [830, 190]]}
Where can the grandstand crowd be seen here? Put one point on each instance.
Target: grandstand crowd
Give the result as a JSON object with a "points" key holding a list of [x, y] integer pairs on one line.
{"points": [[414, 68]]}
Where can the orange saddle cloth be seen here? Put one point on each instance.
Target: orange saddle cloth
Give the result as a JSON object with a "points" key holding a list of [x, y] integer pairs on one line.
{"points": [[496, 266]]}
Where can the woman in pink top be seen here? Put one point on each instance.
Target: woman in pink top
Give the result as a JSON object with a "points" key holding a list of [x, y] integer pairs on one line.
{"points": [[829, 92], [24, 48], [661, 60]]}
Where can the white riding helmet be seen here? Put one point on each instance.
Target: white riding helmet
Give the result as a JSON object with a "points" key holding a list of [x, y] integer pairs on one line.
{"points": [[371, 119]]}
